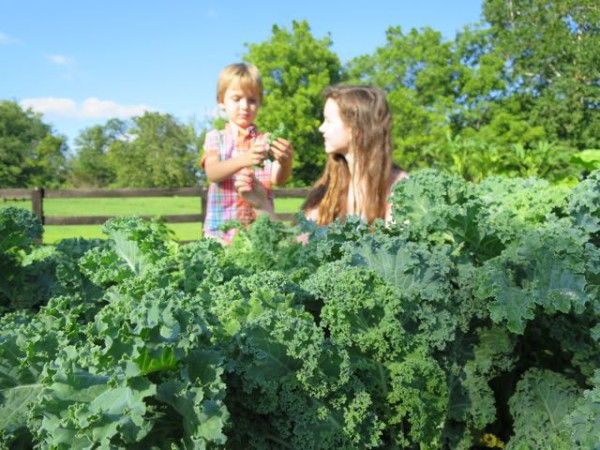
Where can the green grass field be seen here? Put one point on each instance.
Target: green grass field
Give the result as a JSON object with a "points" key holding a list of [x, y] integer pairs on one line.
{"points": [[155, 206]]}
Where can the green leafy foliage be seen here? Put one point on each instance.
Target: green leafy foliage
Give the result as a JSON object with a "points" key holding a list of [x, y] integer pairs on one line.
{"points": [[295, 67], [473, 319], [540, 408], [545, 270], [23, 282], [20, 229], [279, 132], [30, 153], [583, 419], [556, 80]]}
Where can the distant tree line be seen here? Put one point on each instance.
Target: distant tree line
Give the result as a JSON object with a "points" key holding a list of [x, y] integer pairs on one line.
{"points": [[517, 94]]}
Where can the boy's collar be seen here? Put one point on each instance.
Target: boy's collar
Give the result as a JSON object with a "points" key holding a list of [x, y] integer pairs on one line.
{"points": [[250, 131]]}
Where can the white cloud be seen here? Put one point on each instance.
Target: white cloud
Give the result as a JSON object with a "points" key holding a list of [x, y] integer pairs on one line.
{"points": [[90, 108], [59, 60], [51, 105], [5, 39], [93, 107]]}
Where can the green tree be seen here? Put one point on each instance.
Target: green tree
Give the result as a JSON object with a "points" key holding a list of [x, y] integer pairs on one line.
{"points": [[91, 166], [485, 107], [30, 154], [553, 63], [296, 67], [456, 107], [421, 75], [158, 152]]}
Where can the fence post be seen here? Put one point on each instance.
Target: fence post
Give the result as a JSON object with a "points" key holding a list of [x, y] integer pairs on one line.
{"points": [[37, 203], [203, 205]]}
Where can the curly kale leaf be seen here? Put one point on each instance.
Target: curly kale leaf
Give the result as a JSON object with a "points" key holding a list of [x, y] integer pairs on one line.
{"points": [[279, 132], [585, 418], [243, 298], [425, 201], [82, 409], [19, 228], [476, 360], [19, 377], [159, 340], [513, 206], [133, 248], [282, 382], [29, 344], [418, 399], [30, 279], [266, 244], [478, 220], [197, 395], [545, 268], [24, 282], [540, 408], [568, 341], [443, 209], [372, 320], [434, 287], [584, 204], [201, 263], [360, 310]]}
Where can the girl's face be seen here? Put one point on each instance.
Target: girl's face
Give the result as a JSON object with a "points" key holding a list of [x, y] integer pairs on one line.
{"points": [[336, 133], [240, 106]]}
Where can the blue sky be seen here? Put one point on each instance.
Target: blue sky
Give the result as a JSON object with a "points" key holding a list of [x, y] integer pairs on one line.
{"points": [[83, 62]]}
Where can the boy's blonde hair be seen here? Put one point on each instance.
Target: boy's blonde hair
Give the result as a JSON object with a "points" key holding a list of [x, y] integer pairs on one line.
{"points": [[246, 75]]}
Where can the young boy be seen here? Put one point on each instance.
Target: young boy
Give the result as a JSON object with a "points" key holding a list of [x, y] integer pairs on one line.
{"points": [[239, 147]]}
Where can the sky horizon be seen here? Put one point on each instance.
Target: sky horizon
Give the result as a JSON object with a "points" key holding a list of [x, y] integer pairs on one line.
{"points": [[82, 63]]}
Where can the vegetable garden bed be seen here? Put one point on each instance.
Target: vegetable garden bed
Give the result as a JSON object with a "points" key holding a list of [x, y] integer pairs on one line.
{"points": [[473, 322]]}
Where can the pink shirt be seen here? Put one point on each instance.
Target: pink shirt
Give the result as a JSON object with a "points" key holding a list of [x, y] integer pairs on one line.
{"points": [[223, 201]]}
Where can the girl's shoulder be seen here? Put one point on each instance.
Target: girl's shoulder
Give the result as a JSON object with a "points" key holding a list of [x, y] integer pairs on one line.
{"points": [[312, 213], [397, 175]]}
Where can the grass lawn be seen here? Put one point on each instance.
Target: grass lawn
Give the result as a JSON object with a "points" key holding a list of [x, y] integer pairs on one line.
{"points": [[156, 206]]}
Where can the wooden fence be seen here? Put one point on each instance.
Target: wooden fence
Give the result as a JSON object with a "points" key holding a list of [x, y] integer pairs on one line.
{"points": [[38, 195]]}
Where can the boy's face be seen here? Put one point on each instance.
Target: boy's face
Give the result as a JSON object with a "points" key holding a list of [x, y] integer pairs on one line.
{"points": [[240, 106]]}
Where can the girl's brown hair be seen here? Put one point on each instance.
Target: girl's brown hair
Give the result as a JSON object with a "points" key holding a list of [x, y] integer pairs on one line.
{"points": [[365, 110], [246, 75]]}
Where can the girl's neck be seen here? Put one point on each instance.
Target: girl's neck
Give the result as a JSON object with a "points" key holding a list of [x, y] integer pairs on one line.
{"points": [[355, 189], [351, 164]]}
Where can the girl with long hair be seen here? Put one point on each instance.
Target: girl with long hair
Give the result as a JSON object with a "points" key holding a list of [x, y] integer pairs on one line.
{"points": [[359, 173]]}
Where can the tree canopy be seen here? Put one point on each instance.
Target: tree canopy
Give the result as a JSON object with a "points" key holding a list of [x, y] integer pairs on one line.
{"points": [[550, 49], [517, 94], [153, 150], [30, 154], [296, 67]]}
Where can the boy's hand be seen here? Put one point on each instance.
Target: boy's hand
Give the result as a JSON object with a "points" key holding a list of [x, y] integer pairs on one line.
{"points": [[250, 189], [255, 155], [282, 150]]}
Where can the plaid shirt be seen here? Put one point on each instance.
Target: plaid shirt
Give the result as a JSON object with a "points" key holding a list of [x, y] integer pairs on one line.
{"points": [[223, 201]]}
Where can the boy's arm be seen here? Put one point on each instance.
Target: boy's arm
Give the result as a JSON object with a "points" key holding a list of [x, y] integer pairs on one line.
{"points": [[218, 170], [283, 152], [254, 193]]}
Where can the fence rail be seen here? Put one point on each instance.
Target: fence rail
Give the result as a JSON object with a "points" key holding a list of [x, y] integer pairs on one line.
{"points": [[38, 195]]}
